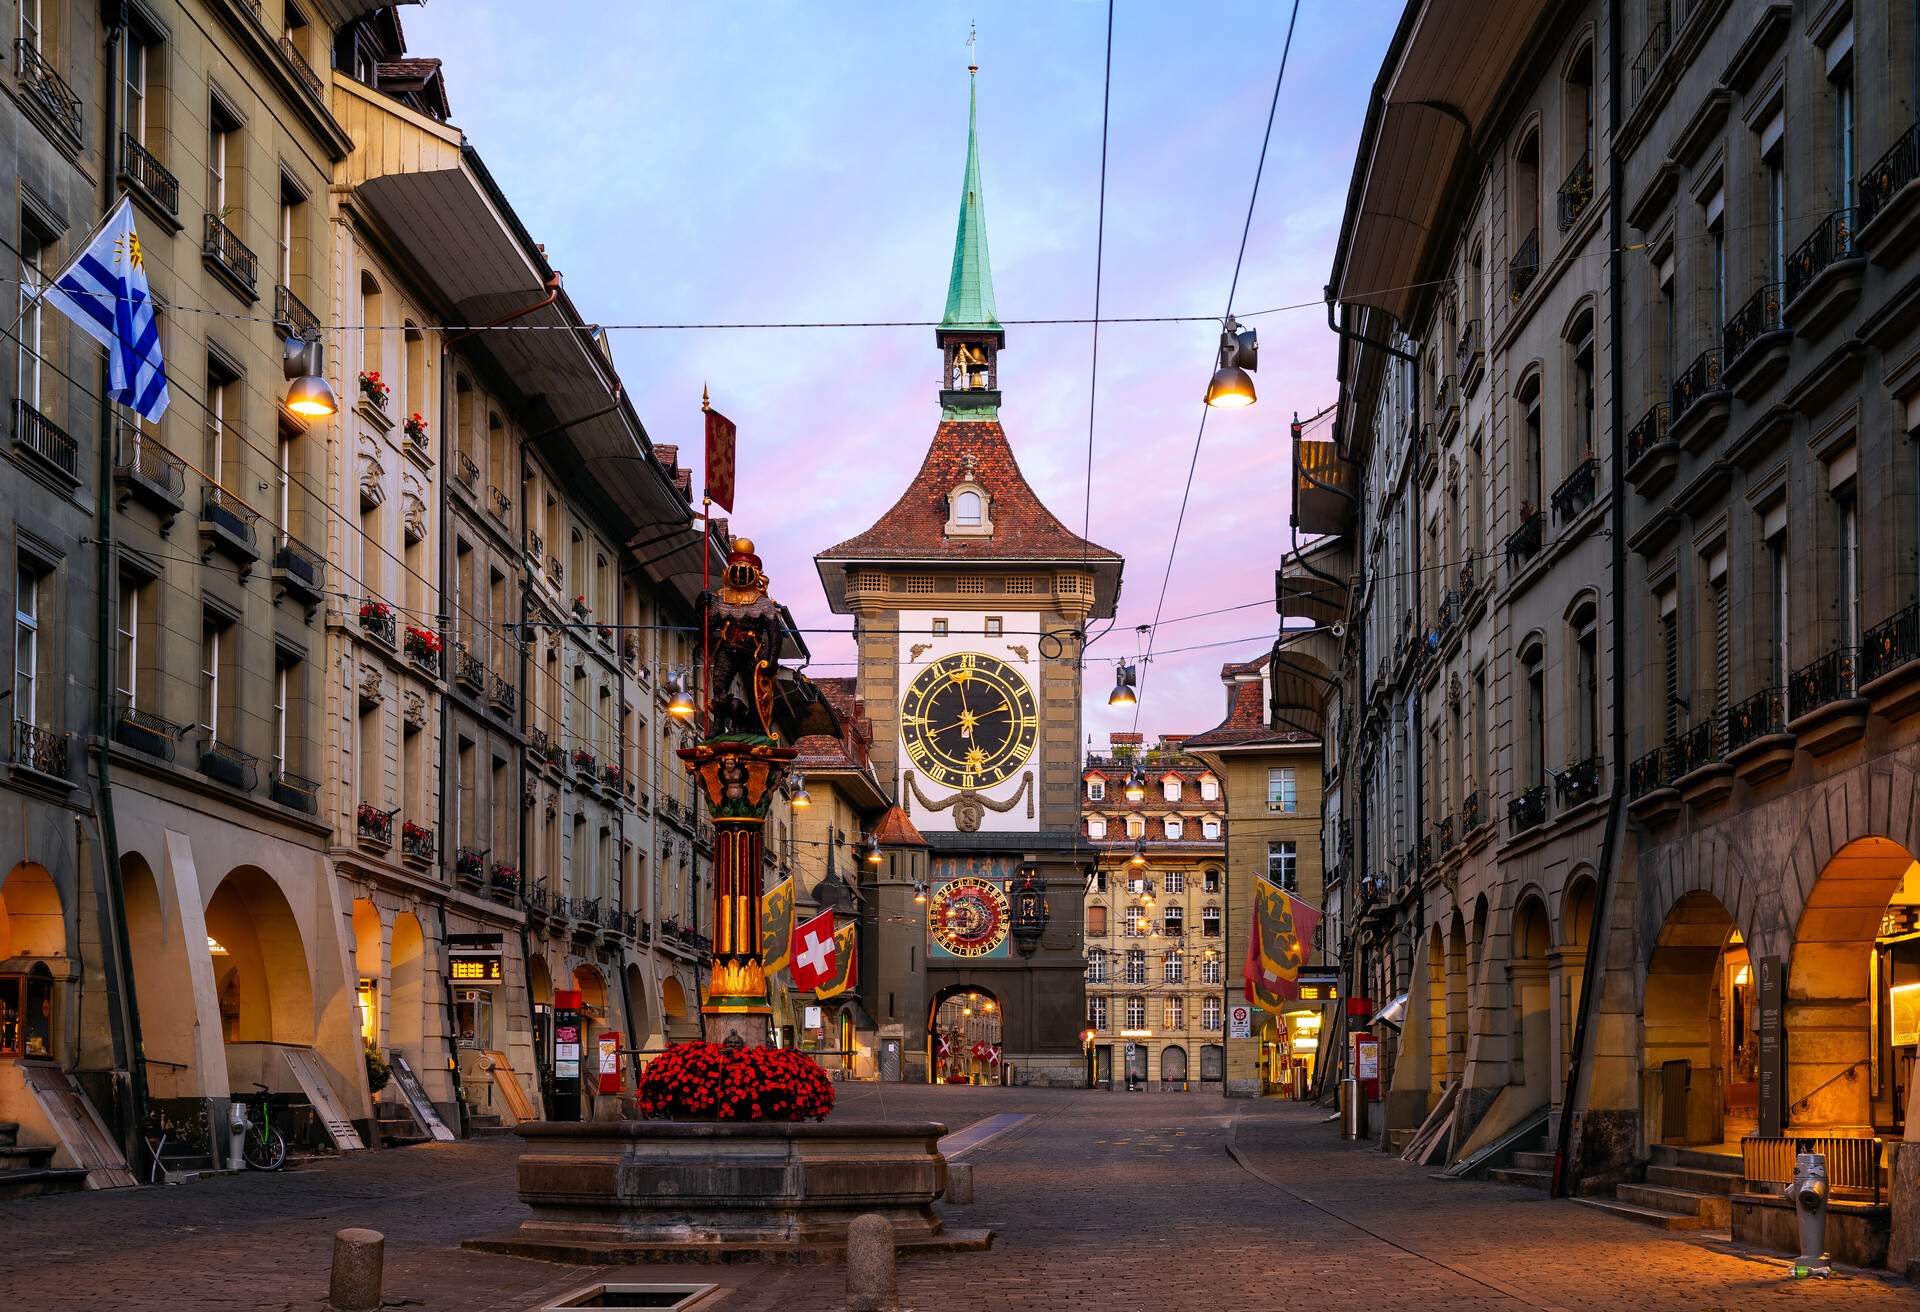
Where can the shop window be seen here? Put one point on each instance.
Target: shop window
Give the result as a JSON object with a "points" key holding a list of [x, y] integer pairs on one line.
{"points": [[26, 1014]]}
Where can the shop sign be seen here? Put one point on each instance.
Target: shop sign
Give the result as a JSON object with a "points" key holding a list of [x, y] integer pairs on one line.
{"points": [[566, 1051], [1772, 1092], [813, 1019], [1366, 1057], [1240, 1021], [474, 968]]}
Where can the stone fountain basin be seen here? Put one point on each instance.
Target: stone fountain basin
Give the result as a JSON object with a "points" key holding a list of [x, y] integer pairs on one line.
{"points": [[679, 1191]]}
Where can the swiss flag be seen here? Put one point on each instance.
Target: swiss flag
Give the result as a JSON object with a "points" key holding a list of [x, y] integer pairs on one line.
{"points": [[812, 958]]}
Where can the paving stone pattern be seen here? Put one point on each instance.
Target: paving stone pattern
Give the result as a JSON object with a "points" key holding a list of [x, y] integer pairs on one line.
{"points": [[1109, 1201]]}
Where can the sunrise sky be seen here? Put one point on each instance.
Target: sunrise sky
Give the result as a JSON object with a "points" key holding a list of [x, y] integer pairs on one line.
{"points": [[777, 162]]}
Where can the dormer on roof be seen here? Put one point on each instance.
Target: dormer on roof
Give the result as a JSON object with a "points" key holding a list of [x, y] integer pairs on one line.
{"points": [[969, 505]]}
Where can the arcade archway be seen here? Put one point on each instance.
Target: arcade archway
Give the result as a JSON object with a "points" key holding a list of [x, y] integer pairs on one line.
{"points": [[407, 1003], [369, 967], [33, 933], [163, 981], [262, 981], [1531, 997], [1852, 1007], [1699, 1050], [964, 1036]]}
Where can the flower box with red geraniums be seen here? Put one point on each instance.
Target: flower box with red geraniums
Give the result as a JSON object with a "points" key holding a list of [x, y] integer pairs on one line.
{"points": [[583, 759], [505, 876], [709, 1082], [423, 643], [468, 862], [375, 610], [415, 427], [373, 389], [580, 608]]}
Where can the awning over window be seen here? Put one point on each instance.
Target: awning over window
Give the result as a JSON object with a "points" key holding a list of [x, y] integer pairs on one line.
{"points": [[1312, 583]]}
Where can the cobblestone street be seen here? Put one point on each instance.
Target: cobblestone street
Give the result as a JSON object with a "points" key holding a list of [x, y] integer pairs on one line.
{"points": [[1098, 1200]]}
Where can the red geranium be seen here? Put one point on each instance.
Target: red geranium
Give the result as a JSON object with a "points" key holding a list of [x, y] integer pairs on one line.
{"points": [[706, 1081]]}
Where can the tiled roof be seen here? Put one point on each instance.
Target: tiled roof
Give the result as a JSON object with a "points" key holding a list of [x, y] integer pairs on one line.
{"points": [[1246, 723], [1023, 528], [895, 830]]}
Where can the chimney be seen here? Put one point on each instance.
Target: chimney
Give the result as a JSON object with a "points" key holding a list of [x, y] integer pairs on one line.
{"points": [[667, 455]]}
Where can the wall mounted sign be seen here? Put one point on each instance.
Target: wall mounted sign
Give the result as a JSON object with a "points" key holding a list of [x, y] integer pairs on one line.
{"points": [[474, 968], [1772, 1092]]}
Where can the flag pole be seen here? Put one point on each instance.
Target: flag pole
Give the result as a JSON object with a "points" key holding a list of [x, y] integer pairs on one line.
{"points": [[706, 553]]}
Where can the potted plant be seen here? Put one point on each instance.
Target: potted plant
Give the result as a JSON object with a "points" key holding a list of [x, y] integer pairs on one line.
{"points": [[711, 1082], [373, 389], [581, 611], [415, 427], [379, 1073], [422, 644], [582, 758]]}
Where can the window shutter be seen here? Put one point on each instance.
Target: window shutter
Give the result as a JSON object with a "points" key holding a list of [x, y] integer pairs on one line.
{"points": [[1670, 638], [1722, 650]]}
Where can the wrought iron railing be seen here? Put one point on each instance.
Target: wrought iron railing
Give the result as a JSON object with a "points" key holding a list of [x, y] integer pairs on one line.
{"points": [[379, 620], [1759, 715], [468, 671], [1831, 240], [47, 88], [139, 166], [469, 472], [1822, 682], [302, 69], [418, 842], [1698, 380], [224, 511], [1468, 347], [502, 503], [1528, 809], [422, 647], [1443, 839], [46, 439], [294, 790], [470, 865], [1576, 491], [1891, 643], [1698, 747], [137, 454], [1648, 433], [1576, 192], [1651, 56], [227, 764], [146, 732], [1651, 772], [374, 825], [1579, 782], [1472, 813], [1524, 267], [1892, 171], [1752, 321], [226, 249], [540, 744], [502, 694], [300, 563], [40, 749], [292, 313], [1524, 543]]}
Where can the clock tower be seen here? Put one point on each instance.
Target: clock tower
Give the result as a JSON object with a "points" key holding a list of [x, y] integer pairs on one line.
{"points": [[970, 602]]}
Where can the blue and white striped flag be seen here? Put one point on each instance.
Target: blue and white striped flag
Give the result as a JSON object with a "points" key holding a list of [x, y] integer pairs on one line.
{"points": [[104, 291]]}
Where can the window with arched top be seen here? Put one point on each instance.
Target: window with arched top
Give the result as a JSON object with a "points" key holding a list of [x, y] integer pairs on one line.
{"points": [[968, 511]]}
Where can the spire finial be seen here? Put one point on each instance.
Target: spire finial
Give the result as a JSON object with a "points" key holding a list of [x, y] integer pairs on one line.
{"points": [[706, 401], [973, 54]]}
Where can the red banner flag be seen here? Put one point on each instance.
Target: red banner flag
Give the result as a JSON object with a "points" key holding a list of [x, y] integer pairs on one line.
{"points": [[1280, 942], [812, 952], [720, 448]]}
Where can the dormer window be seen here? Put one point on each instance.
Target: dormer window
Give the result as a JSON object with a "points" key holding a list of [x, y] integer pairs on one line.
{"points": [[969, 508]]}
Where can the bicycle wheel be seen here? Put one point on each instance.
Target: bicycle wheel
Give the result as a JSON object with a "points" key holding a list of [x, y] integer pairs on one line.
{"points": [[265, 1150]]}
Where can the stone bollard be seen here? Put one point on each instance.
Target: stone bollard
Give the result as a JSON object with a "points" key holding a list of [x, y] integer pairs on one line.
{"points": [[870, 1273], [357, 1258], [959, 1182]]}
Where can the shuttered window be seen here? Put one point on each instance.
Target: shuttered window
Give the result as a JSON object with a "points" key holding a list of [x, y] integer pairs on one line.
{"points": [[1722, 650], [1670, 654]]}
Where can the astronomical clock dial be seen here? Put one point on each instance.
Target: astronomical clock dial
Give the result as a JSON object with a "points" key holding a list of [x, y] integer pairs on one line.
{"points": [[969, 721], [969, 916]]}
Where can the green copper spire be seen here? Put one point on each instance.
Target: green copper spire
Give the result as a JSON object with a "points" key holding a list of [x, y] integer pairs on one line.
{"points": [[970, 289]]}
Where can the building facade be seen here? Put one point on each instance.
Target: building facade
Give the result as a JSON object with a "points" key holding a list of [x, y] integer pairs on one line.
{"points": [[1658, 731], [968, 589], [1155, 916]]}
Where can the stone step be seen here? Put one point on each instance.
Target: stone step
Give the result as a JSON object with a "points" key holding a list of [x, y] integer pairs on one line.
{"points": [[1714, 1209], [1541, 1180], [42, 1180], [25, 1157], [1688, 1177], [1697, 1159], [1644, 1215], [1532, 1160]]}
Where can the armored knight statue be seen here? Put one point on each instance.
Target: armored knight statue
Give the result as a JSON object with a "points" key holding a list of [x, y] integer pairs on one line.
{"points": [[743, 629]]}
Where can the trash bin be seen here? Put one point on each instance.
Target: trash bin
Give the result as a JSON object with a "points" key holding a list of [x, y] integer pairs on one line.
{"points": [[1353, 1109]]}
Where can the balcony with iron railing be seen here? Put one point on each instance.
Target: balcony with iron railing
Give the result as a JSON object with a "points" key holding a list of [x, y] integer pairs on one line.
{"points": [[147, 733], [541, 745], [422, 647], [1468, 355], [46, 91], [1443, 840], [294, 791], [418, 844], [502, 695], [1524, 267], [50, 445], [469, 472], [1524, 543], [1528, 810], [1579, 783], [503, 882], [1698, 747], [1649, 433], [378, 620], [1755, 718], [145, 470], [300, 570], [1698, 385], [1824, 707], [1576, 492], [1890, 663], [148, 178], [292, 314], [230, 525], [1652, 55], [1884, 191], [470, 866], [302, 69], [1576, 193], [1830, 242], [226, 764], [230, 257], [1472, 814], [468, 671], [373, 826], [1652, 772], [41, 750], [1758, 318]]}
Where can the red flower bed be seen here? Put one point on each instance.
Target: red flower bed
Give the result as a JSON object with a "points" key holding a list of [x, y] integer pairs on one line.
{"points": [[708, 1082]]}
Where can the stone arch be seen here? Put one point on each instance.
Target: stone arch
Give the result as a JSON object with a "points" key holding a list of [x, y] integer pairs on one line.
{"points": [[673, 998], [1530, 990], [33, 923], [264, 984], [407, 991], [1173, 1064], [370, 967], [639, 1014], [1576, 907], [1456, 997], [163, 984], [1684, 1053]]}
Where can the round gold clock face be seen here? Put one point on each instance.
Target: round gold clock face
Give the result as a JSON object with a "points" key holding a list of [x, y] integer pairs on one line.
{"points": [[969, 721], [969, 916]]}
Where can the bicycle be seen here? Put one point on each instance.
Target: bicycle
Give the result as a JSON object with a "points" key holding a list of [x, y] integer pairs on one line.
{"points": [[262, 1147]]}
